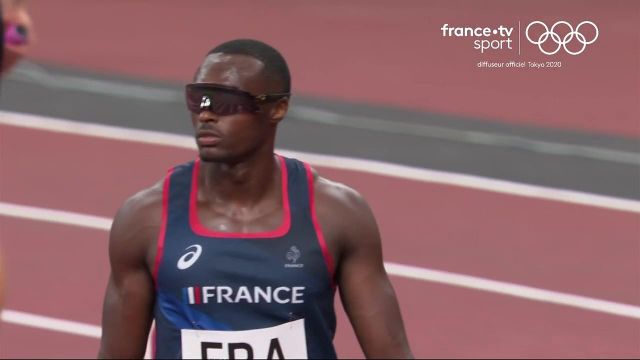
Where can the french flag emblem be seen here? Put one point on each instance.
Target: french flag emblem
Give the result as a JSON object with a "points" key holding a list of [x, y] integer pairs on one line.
{"points": [[192, 295]]}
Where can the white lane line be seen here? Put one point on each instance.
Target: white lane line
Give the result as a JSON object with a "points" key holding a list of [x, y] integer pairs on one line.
{"points": [[521, 291], [33, 73], [49, 323], [58, 325], [337, 162], [468, 181], [306, 113], [54, 216], [412, 272]]}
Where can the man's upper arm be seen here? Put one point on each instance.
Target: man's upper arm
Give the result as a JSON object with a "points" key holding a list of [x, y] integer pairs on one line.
{"points": [[128, 301], [365, 289]]}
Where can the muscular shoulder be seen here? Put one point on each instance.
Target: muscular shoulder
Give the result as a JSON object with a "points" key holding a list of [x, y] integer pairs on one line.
{"points": [[344, 214], [338, 197], [141, 209], [141, 206], [137, 224]]}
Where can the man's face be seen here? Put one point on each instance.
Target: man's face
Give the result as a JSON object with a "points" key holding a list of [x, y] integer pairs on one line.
{"points": [[231, 138]]}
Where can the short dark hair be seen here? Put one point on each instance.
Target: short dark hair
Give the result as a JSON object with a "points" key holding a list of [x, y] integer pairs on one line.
{"points": [[275, 66]]}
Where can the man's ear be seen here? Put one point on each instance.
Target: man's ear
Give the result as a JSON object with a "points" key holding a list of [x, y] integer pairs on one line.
{"points": [[279, 110]]}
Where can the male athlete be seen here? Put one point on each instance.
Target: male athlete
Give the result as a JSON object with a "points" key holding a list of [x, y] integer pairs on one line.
{"points": [[238, 253]]}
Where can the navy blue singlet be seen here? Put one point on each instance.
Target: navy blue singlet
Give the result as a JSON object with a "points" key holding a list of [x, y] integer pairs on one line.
{"points": [[243, 295]]}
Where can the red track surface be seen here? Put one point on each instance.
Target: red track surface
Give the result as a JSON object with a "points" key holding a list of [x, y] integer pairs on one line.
{"points": [[60, 271], [384, 52]]}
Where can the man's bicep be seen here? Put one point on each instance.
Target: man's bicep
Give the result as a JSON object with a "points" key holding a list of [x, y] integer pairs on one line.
{"points": [[126, 319], [128, 301], [367, 293]]}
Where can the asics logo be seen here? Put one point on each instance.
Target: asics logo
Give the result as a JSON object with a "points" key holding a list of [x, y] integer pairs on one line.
{"points": [[561, 42], [190, 258]]}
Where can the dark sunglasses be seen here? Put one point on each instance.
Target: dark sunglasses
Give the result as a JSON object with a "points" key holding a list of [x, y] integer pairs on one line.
{"points": [[224, 100]]}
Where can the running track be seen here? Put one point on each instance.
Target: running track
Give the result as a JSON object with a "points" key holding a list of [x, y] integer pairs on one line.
{"points": [[375, 51], [59, 270]]}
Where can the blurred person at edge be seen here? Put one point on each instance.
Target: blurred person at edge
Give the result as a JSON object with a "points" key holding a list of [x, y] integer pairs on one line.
{"points": [[14, 34]]}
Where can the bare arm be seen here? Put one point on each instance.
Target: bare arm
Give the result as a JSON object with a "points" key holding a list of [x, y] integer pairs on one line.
{"points": [[128, 302], [365, 289]]}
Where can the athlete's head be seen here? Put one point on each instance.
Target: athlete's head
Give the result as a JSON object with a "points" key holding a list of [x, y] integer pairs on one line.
{"points": [[15, 30], [239, 95]]}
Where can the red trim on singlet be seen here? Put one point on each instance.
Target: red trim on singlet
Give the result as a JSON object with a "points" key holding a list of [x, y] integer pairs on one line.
{"points": [[199, 229], [163, 226], [328, 259]]}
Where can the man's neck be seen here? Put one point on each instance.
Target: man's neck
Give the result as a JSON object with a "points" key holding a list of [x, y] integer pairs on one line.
{"points": [[245, 183]]}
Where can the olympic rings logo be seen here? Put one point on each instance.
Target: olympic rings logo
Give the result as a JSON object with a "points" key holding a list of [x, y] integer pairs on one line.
{"points": [[562, 42]]}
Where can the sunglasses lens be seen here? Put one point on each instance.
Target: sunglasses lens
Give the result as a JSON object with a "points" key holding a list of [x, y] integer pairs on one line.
{"points": [[218, 101]]}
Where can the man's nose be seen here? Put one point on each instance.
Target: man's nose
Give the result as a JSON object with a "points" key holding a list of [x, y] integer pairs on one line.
{"points": [[207, 115]]}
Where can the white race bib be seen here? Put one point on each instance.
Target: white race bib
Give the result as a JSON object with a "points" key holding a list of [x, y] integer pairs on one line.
{"points": [[286, 341]]}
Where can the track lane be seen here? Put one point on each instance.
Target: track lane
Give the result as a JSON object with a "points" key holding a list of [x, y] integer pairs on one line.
{"points": [[437, 317], [568, 248], [337, 50], [55, 270], [19, 342]]}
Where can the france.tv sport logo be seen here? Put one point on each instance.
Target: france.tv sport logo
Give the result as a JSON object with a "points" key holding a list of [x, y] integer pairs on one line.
{"points": [[550, 36], [549, 40], [487, 36]]}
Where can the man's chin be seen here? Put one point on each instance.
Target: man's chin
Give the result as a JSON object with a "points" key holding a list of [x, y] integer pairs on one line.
{"points": [[212, 154], [207, 155]]}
